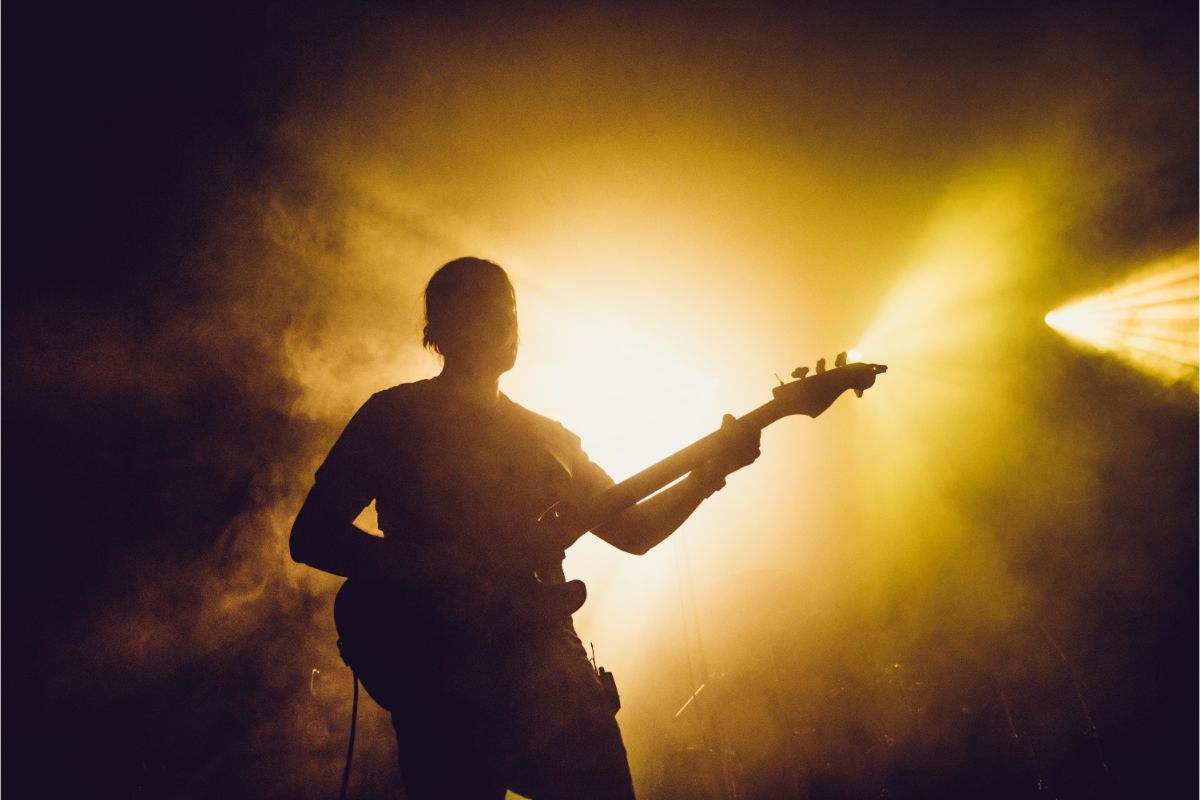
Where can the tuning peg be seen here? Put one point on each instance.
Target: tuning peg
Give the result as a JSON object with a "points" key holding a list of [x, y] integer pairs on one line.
{"points": [[858, 392], [799, 372], [820, 365], [840, 361]]}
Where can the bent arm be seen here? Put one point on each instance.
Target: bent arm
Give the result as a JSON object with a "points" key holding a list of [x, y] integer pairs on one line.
{"points": [[324, 535], [640, 527]]}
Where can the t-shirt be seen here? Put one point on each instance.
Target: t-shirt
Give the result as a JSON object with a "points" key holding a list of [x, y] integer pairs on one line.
{"points": [[464, 481], [456, 481]]}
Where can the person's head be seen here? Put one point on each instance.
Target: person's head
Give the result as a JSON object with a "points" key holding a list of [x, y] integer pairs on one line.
{"points": [[471, 316]]}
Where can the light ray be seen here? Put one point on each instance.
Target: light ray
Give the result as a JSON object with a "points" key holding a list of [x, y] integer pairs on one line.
{"points": [[1149, 321]]}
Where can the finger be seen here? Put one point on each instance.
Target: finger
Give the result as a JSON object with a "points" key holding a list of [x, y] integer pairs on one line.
{"points": [[749, 447]]}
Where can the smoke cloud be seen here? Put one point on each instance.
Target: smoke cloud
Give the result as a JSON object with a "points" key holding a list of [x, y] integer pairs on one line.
{"points": [[970, 581]]}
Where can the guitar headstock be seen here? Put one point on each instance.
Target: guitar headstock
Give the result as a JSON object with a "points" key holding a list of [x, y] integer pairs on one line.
{"points": [[810, 394]]}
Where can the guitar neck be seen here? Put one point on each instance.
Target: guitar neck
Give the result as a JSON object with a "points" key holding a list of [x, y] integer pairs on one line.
{"points": [[809, 396], [645, 483]]}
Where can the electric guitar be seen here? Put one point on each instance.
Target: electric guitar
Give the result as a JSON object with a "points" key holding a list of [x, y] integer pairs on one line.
{"points": [[371, 619]]}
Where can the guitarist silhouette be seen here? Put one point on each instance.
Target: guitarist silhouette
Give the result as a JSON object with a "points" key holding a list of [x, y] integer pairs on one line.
{"points": [[458, 619]]}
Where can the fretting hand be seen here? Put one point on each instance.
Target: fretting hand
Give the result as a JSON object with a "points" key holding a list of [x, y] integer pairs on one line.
{"points": [[740, 447]]}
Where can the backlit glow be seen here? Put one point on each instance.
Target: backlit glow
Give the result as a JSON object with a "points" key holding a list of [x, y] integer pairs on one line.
{"points": [[948, 330], [633, 397], [1149, 321]]}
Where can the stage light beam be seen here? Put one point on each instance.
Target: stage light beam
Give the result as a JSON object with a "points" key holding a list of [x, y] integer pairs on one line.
{"points": [[1149, 321]]}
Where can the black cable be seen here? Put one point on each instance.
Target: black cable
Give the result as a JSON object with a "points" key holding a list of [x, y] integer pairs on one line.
{"points": [[350, 746]]}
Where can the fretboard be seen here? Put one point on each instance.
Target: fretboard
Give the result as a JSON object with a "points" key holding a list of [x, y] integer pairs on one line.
{"points": [[636, 488]]}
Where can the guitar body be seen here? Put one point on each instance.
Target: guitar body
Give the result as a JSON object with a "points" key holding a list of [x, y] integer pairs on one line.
{"points": [[399, 640], [377, 631]]}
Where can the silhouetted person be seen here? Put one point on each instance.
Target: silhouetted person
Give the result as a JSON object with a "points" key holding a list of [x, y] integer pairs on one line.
{"points": [[482, 698]]}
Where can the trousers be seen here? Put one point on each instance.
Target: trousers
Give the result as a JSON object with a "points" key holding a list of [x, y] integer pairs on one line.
{"points": [[537, 722]]}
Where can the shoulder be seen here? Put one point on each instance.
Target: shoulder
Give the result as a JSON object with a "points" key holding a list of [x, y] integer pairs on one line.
{"points": [[385, 410], [552, 429], [403, 392], [365, 443], [566, 448], [397, 399]]}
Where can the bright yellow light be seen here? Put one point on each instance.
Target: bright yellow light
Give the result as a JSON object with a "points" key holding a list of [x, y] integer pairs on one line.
{"points": [[631, 399], [945, 415], [1149, 321], [635, 388]]}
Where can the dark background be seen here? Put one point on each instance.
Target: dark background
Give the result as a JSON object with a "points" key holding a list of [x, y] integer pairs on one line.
{"points": [[140, 432]]}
